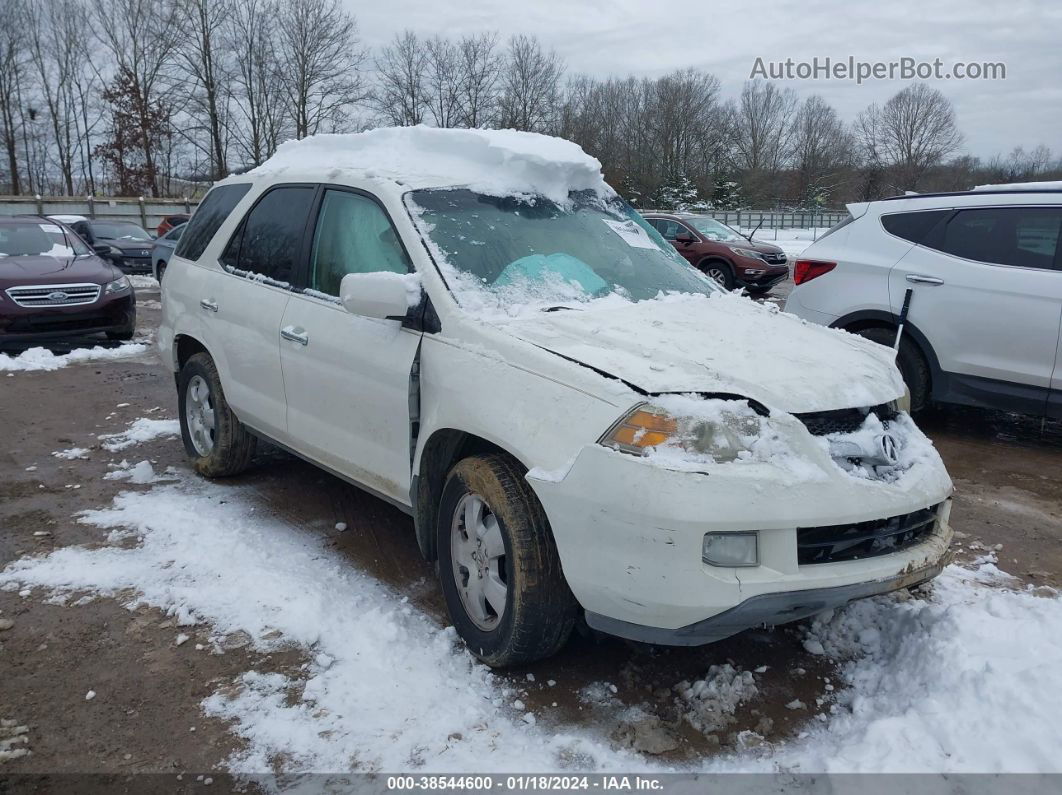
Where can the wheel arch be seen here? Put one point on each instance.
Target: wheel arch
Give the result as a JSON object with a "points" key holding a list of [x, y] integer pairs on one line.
{"points": [[874, 318], [440, 451]]}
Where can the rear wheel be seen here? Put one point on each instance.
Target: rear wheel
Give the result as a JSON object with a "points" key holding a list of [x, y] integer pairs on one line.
{"points": [[160, 268], [719, 272], [498, 565], [214, 438], [912, 364]]}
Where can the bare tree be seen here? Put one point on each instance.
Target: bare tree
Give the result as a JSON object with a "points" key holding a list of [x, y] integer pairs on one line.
{"points": [[444, 82], [530, 86], [141, 37], [12, 75], [914, 131], [821, 149], [761, 130], [480, 69], [320, 60], [401, 94], [206, 74], [251, 36]]}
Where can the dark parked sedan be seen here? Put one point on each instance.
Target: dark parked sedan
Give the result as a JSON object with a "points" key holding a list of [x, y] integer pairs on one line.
{"points": [[122, 242], [53, 285]]}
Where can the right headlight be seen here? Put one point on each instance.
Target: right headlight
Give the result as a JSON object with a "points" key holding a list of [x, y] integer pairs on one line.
{"points": [[721, 429]]}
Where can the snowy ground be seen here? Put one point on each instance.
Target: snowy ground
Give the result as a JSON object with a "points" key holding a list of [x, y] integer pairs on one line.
{"points": [[966, 678]]}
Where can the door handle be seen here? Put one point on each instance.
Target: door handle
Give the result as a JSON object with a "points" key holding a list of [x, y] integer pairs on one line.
{"points": [[915, 278], [211, 306], [295, 334]]}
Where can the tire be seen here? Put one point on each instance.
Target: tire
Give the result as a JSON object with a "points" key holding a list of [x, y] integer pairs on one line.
{"points": [[720, 271], [160, 268], [215, 440], [537, 610], [912, 364], [124, 335]]}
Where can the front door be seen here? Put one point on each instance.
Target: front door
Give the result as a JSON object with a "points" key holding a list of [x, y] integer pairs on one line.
{"points": [[246, 304], [347, 377], [987, 293]]}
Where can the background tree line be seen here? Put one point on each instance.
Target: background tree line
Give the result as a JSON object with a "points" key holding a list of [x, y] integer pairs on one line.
{"points": [[161, 97]]}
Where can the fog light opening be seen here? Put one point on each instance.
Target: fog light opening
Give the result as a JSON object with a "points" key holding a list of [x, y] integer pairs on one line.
{"points": [[731, 549]]}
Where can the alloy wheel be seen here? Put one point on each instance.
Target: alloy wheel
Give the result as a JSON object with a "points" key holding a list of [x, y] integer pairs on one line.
{"points": [[199, 415], [478, 554]]}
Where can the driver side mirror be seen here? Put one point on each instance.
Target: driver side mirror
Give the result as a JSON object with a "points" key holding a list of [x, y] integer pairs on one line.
{"points": [[102, 251], [685, 237], [382, 295]]}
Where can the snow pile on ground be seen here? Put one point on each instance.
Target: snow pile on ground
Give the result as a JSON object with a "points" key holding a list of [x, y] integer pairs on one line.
{"points": [[141, 282], [711, 701], [141, 430], [384, 688], [968, 679], [492, 162], [139, 473], [72, 453], [36, 359], [14, 739]]}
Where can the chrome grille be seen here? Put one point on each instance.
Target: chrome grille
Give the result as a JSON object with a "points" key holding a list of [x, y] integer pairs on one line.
{"points": [[54, 294]]}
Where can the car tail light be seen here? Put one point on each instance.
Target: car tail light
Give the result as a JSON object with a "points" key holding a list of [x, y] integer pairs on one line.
{"points": [[808, 269]]}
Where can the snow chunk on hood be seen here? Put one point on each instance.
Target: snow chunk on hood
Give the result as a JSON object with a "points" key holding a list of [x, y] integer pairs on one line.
{"points": [[492, 162]]}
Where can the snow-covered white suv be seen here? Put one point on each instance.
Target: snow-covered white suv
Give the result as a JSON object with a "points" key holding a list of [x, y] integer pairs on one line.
{"points": [[473, 326], [983, 270]]}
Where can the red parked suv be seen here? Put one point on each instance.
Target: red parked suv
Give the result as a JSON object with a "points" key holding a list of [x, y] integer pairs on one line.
{"points": [[53, 285], [721, 253]]}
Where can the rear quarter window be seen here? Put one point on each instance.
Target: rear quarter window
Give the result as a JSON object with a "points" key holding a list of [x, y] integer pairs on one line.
{"points": [[837, 226], [913, 227], [208, 218]]}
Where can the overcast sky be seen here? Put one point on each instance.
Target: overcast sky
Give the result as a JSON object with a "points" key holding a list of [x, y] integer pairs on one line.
{"points": [[602, 37]]}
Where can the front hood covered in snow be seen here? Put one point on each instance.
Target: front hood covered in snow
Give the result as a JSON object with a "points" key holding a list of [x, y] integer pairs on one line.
{"points": [[720, 344]]}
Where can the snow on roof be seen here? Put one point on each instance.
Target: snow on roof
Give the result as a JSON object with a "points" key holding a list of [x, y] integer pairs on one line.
{"points": [[493, 162], [1022, 186]]}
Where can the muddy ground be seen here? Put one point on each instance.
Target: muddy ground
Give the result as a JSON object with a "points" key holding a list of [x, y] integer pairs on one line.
{"points": [[145, 715]]}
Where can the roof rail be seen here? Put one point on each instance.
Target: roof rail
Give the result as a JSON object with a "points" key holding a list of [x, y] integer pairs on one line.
{"points": [[967, 193]]}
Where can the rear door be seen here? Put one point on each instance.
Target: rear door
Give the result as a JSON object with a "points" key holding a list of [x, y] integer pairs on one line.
{"points": [[987, 293], [347, 377], [247, 303]]}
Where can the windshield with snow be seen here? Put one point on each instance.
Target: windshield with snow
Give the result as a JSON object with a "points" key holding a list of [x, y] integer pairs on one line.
{"points": [[532, 251], [714, 230], [35, 239]]}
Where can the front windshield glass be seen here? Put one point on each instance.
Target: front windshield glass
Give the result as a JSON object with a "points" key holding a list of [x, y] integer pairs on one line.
{"points": [[120, 231], [36, 239], [713, 229], [512, 252]]}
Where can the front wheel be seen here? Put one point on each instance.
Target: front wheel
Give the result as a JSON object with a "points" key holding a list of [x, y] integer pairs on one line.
{"points": [[498, 565], [720, 273], [216, 441]]}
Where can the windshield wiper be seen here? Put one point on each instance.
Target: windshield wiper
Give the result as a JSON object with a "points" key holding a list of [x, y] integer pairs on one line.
{"points": [[754, 231], [559, 307]]}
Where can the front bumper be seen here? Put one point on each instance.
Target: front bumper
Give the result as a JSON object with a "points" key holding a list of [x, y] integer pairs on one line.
{"points": [[770, 609], [762, 275], [30, 324], [629, 533], [133, 264]]}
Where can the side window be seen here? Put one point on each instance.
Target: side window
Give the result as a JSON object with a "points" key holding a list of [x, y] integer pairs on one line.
{"points": [[1025, 237], [269, 240], [913, 227], [670, 229], [208, 218], [353, 235]]}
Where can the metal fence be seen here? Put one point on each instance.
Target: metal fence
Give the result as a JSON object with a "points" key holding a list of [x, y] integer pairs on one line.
{"points": [[775, 219], [149, 212], [146, 212]]}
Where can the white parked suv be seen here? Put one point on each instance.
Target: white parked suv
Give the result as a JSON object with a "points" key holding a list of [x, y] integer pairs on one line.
{"points": [[984, 271], [473, 326]]}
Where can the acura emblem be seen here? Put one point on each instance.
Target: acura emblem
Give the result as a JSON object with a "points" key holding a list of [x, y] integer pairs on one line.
{"points": [[888, 447], [58, 295]]}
